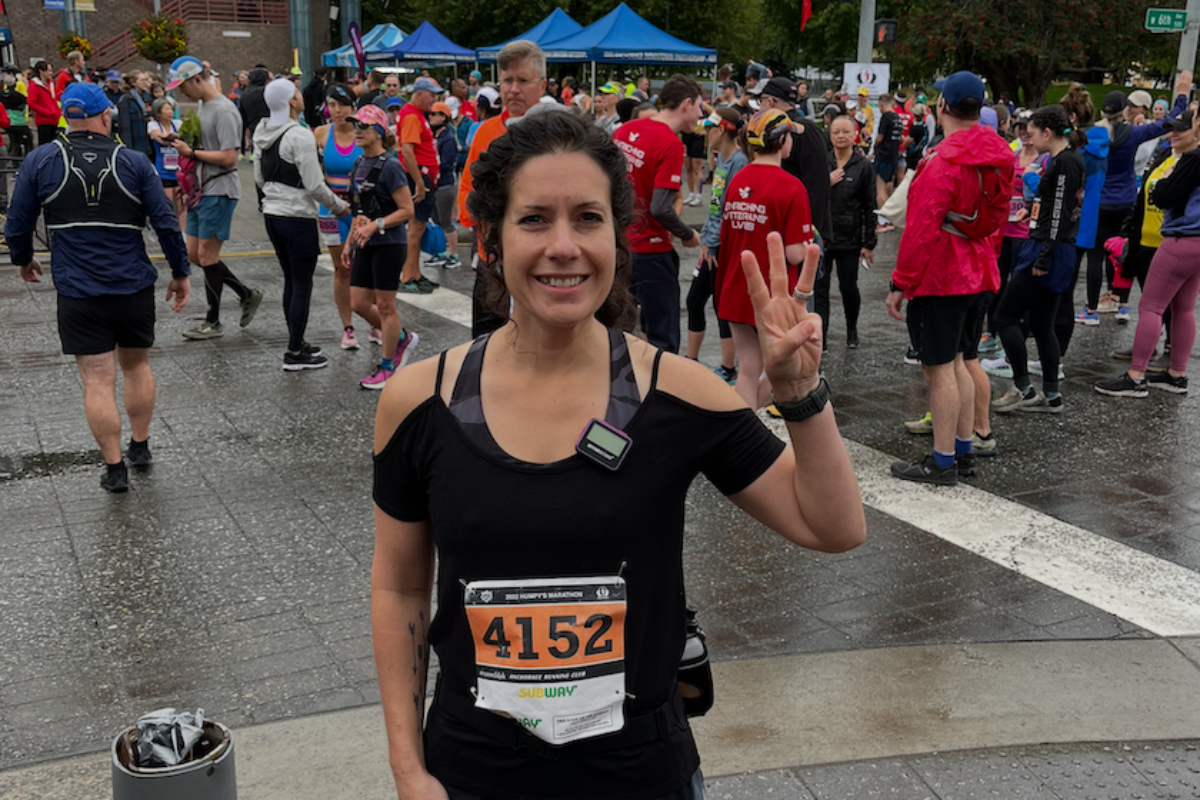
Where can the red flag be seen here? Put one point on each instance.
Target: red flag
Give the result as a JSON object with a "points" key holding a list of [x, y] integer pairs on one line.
{"points": [[805, 13]]}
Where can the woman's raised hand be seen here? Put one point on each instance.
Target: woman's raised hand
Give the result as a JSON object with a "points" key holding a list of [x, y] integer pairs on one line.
{"points": [[789, 335]]}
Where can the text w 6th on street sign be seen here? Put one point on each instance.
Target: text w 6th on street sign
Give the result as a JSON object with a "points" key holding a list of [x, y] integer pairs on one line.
{"points": [[1166, 20]]}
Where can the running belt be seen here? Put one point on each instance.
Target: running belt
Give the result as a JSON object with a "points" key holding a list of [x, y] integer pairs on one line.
{"points": [[466, 402]]}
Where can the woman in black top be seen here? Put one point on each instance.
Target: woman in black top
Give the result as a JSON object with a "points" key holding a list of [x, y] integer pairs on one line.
{"points": [[1045, 265], [852, 236], [560, 580]]}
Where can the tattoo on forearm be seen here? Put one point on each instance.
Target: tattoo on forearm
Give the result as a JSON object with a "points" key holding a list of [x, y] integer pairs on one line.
{"points": [[420, 649]]}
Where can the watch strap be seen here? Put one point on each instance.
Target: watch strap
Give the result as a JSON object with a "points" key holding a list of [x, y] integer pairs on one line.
{"points": [[800, 409]]}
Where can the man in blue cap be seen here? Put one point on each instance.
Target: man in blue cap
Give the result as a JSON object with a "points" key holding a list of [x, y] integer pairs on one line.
{"points": [[97, 196], [957, 209]]}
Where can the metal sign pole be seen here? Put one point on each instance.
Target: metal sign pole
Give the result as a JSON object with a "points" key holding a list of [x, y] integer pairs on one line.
{"points": [[866, 31], [1191, 34]]}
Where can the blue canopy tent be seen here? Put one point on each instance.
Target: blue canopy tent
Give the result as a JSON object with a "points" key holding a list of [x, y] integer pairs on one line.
{"points": [[623, 37], [381, 37], [427, 44], [556, 26]]}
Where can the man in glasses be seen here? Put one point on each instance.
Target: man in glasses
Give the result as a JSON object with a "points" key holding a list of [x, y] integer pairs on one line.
{"points": [[522, 66]]}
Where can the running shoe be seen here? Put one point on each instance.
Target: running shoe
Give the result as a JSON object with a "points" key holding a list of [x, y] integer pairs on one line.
{"points": [[912, 357], [922, 426], [115, 479], [1123, 315], [1035, 368], [452, 262], [996, 367], [727, 374], [885, 227], [436, 261], [968, 467], [310, 349], [1160, 363], [852, 340], [139, 454], [294, 362], [1123, 386], [377, 379], [205, 330], [404, 350], [375, 336], [425, 286], [1175, 384], [250, 307], [1044, 405], [349, 339], [1126, 353], [409, 287], [925, 471], [989, 343], [1087, 317], [1014, 398], [985, 448]]}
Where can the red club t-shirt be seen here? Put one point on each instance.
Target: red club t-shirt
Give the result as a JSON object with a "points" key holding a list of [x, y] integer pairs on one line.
{"points": [[655, 157], [412, 128], [760, 199]]}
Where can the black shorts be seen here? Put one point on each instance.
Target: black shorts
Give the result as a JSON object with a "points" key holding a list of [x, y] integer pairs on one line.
{"points": [[378, 267], [948, 326], [693, 145], [169, 183], [423, 210], [90, 326], [885, 170]]}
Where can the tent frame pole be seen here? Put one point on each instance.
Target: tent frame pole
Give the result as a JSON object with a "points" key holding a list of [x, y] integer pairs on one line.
{"points": [[594, 87]]}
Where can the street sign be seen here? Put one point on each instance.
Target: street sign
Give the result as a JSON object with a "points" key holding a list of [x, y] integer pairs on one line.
{"points": [[1166, 20]]}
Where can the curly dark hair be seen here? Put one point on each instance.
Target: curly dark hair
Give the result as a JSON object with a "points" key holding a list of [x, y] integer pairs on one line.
{"points": [[539, 134]]}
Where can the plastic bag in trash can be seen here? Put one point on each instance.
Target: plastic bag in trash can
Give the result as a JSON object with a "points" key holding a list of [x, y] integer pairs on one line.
{"points": [[165, 737]]}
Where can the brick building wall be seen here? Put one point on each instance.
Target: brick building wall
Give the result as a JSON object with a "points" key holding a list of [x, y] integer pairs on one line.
{"points": [[35, 35]]}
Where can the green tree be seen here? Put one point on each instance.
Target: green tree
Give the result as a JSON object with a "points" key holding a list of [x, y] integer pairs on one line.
{"points": [[1021, 46]]}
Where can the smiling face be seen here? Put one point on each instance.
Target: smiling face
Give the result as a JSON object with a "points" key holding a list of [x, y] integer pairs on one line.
{"points": [[1024, 135], [1182, 141], [558, 241]]}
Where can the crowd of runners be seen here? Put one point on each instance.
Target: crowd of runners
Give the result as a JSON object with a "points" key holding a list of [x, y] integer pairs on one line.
{"points": [[375, 171]]}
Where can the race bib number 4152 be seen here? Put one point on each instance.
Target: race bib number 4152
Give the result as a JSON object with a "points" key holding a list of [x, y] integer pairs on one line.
{"points": [[550, 653]]}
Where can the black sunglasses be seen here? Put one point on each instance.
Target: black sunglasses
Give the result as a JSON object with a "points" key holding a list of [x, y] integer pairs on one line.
{"points": [[360, 126]]}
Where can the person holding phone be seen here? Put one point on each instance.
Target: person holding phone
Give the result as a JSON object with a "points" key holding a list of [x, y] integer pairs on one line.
{"points": [[163, 130]]}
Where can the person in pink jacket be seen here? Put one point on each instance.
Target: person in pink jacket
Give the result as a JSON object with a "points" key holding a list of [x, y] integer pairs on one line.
{"points": [[957, 208]]}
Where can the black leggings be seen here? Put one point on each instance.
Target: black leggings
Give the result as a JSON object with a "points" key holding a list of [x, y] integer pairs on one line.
{"points": [[216, 277], [46, 134], [704, 286], [1064, 318], [1109, 225], [1009, 250], [297, 245], [846, 263], [1027, 297]]}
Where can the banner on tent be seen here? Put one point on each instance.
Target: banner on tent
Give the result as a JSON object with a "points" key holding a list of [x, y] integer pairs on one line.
{"points": [[651, 56]]}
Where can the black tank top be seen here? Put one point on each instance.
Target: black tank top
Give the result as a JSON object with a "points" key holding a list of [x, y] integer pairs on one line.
{"points": [[466, 402]]}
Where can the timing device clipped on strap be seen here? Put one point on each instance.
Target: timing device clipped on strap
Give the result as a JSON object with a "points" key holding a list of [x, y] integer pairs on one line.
{"points": [[603, 444]]}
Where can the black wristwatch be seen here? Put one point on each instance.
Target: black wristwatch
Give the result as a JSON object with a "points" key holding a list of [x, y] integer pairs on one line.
{"points": [[800, 409]]}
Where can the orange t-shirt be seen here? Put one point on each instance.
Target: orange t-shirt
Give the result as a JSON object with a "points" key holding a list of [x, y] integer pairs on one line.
{"points": [[413, 128], [489, 131]]}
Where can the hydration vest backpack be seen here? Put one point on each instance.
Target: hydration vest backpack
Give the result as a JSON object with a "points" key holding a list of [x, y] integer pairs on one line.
{"points": [[991, 214]]}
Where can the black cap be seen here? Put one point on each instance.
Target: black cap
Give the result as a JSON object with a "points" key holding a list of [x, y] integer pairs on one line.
{"points": [[1114, 102], [782, 88], [730, 85], [1181, 123]]}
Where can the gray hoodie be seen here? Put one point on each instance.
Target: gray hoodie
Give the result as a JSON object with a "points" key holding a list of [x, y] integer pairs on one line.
{"points": [[300, 148]]}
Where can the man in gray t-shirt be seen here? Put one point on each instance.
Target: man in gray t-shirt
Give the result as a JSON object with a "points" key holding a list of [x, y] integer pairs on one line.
{"points": [[209, 221]]}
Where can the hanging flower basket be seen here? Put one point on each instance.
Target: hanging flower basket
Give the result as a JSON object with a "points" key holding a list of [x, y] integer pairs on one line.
{"points": [[72, 41], [160, 38]]}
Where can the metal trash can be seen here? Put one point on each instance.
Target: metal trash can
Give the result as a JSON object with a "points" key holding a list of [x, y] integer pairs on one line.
{"points": [[210, 775]]}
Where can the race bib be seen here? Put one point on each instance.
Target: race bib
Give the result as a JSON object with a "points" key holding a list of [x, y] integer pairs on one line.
{"points": [[550, 653], [328, 226], [1015, 206], [171, 159]]}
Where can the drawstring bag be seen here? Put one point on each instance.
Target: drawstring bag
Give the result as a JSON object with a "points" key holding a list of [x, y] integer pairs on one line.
{"points": [[433, 241]]}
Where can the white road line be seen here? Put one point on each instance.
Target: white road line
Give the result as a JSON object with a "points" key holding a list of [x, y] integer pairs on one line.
{"points": [[1150, 592]]}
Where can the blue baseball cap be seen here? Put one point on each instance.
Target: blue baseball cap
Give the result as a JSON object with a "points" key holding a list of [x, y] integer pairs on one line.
{"points": [[83, 100], [427, 85], [114, 75], [395, 102], [183, 68], [962, 91]]}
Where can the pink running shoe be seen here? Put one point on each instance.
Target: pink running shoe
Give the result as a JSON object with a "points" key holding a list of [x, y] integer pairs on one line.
{"points": [[405, 349], [349, 340], [376, 336], [377, 379]]}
